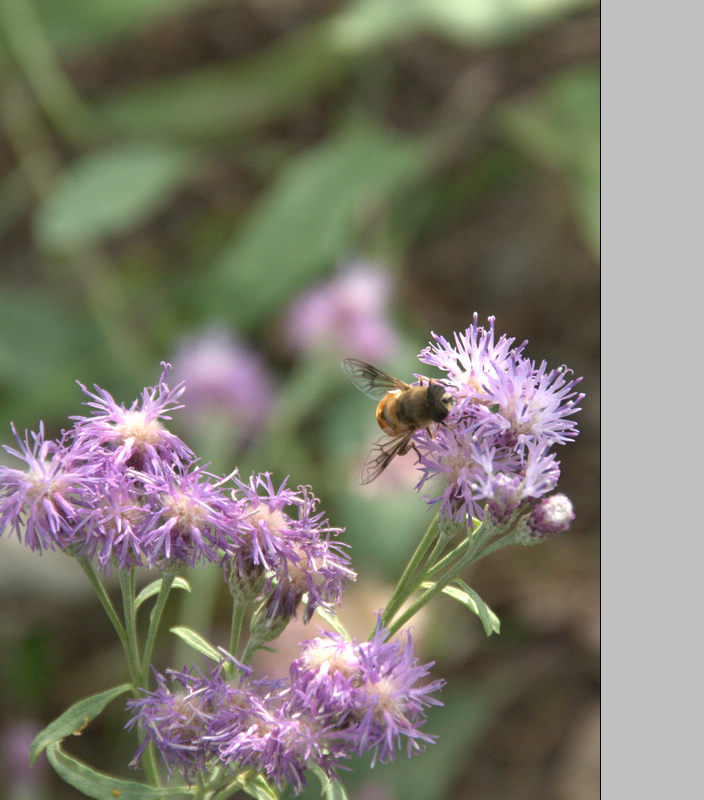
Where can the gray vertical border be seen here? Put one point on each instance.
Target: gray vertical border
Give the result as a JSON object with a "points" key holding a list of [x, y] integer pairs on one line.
{"points": [[652, 473]]}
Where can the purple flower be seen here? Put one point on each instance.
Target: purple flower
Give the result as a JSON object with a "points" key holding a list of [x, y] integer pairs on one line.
{"points": [[494, 449], [288, 540], [201, 721], [225, 379], [346, 314], [273, 737], [110, 526], [134, 436], [22, 779], [340, 698], [529, 404], [189, 518], [474, 358], [41, 503], [371, 694], [180, 720]]}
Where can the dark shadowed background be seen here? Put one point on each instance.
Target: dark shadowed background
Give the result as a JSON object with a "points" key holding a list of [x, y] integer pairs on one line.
{"points": [[252, 191]]}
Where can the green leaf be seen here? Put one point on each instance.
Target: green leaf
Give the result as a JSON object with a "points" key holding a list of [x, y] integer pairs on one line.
{"points": [[78, 24], [333, 621], [102, 786], [197, 642], [74, 719], [369, 24], [307, 217], [471, 600], [330, 789], [489, 22], [259, 787], [109, 192], [44, 345], [559, 127], [155, 587], [223, 99]]}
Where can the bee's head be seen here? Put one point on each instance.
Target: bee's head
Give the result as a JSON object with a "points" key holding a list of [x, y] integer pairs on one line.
{"points": [[440, 402]]}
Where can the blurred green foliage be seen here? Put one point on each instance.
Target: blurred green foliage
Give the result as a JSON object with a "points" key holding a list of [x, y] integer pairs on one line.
{"points": [[165, 164]]}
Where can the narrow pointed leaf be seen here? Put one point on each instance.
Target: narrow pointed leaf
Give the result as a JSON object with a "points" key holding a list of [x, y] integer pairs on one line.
{"points": [[102, 786], [333, 621], [471, 600], [309, 214], [330, 789], [74, 719], [259, 788], [197, 642], [155, 587]]}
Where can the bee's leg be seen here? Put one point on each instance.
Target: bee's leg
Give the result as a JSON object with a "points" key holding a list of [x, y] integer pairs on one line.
{"points": [[417, 452]]}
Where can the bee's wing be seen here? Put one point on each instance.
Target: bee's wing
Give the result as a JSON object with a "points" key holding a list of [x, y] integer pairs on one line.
{"points": [[379, 455], [368, 379]]}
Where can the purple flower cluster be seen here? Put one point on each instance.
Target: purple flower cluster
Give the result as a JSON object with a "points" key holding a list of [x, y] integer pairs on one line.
{"points": [[287, 542], [122, 490], [341, 698], [494, 451]]}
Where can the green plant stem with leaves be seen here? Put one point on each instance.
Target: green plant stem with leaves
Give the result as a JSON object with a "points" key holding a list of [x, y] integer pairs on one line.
{"points": [[433, 576]]}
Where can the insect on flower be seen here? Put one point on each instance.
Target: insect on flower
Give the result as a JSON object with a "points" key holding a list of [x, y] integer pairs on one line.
{"points": [[403, 409]]}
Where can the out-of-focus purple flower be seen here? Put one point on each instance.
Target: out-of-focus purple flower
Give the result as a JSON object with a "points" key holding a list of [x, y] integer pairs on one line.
{"points": [[41, 503], [134, 436], [287, 540], [22, 780], [347, 314], [494, 448], [225, 378]]}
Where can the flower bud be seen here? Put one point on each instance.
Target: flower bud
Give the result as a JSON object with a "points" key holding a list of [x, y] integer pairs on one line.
{"points": [[553, 514]]}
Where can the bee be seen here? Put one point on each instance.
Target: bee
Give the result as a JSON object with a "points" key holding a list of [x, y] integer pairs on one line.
{"points": [[403, 409]]}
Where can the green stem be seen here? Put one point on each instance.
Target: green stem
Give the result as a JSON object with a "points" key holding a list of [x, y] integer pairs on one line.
{"points": [[252, 646], [104, 599], [150, 765], [236, 626], [127, 584], [401, 591], [154, 621], [411, 586], [469, 558], [472, 544], [32, 50]]}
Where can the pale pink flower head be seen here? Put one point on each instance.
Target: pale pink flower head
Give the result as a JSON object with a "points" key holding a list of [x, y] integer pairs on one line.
{"points": [[346, 314], [225, 378]]}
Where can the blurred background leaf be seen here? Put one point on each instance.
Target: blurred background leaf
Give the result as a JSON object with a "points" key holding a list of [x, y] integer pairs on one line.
{"points": [[109, 192], [559, 126], [75, 25], [308, 217]]}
